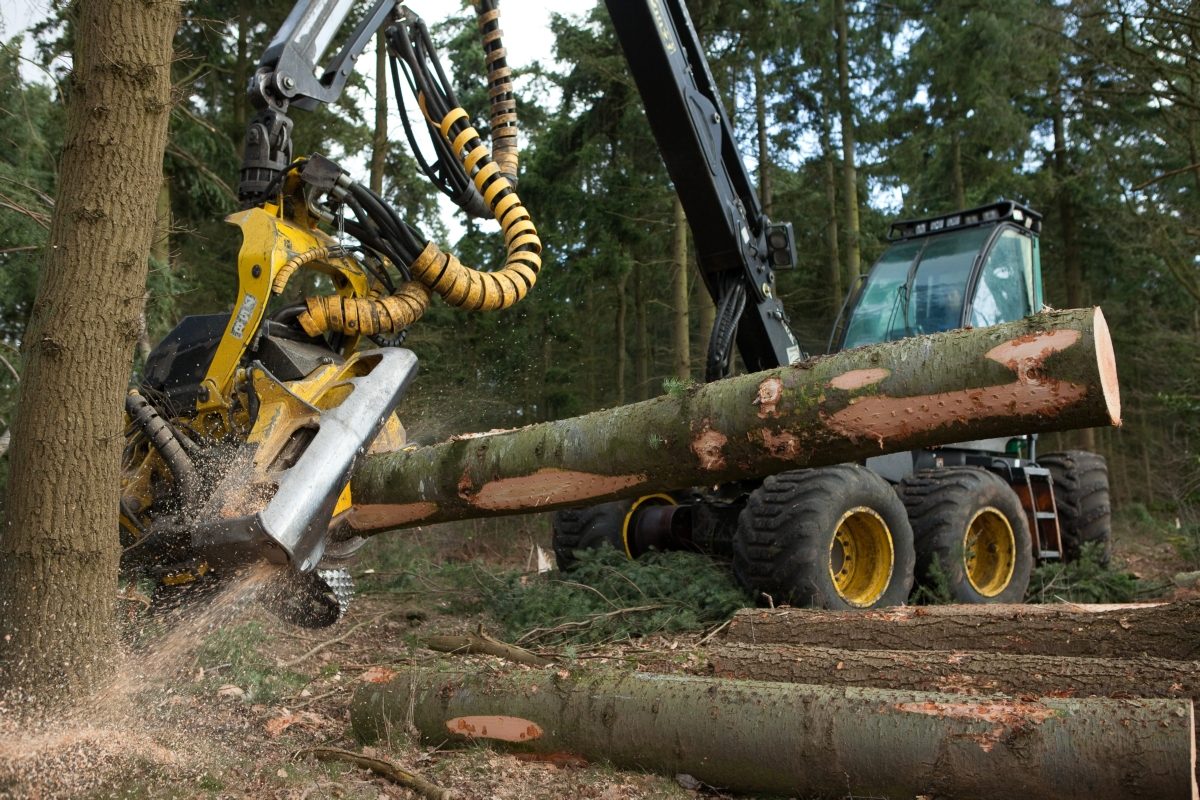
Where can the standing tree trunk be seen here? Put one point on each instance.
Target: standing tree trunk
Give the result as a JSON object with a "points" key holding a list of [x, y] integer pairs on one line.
{"points": [[379, 140], [681, 356], [956, 166], [1072, 256], [849, 171], [833, 269], [765, 189], [641, 334], [619, 336], [59, 547]]}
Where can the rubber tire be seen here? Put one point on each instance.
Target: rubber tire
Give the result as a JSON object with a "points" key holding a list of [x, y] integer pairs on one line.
{"points": [[584, 528], [1081, 495], [784, 535], [941, 503]]}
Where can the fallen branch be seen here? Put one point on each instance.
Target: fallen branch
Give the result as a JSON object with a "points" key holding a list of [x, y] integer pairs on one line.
{"points": [[328, 642], [480, 643], [1170, 631], [579, 624], [383, 768], [801, 740]]}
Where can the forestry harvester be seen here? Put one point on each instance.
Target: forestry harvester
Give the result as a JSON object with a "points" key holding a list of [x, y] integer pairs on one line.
{"points": [[245, 427]]}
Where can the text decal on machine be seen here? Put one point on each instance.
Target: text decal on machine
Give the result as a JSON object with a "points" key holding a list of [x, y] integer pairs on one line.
{"points": [[243, 316]]}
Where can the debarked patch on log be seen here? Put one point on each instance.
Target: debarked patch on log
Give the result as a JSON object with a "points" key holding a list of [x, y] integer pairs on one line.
{"points": [[1005, 718], [1027, 353], [859, 378], [373, 517], [708, 445], [770, 391], [883, 418], [505, 729], [547, 485]]}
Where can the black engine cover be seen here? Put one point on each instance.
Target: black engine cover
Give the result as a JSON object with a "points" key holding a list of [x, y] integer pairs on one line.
{"points": [[177, 365]]}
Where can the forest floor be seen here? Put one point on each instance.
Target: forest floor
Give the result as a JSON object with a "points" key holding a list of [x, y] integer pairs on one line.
{"points": [[222, 702]]}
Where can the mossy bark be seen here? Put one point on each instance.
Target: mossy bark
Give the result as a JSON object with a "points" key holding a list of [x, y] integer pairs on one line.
{"points": [[59, 549], [1049, 372], [797, 740], [1170, 631]]}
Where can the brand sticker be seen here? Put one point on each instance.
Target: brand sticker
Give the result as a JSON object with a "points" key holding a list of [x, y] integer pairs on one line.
{"points": [[249, 303]]}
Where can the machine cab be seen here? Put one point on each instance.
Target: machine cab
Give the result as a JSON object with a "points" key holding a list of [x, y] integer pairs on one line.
{"points": [[974, 268]]}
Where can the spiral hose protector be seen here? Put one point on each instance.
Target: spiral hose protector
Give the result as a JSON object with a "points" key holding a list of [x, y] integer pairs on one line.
{"points": [[503, 118], [366, 316], [463, 286]]}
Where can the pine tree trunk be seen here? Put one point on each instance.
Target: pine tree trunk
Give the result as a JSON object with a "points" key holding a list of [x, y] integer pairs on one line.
{"points": [[765, 188], [59, 549], [1047, 372], [680, 346], [960, 188], [958, 671], [641, 334], [1170, 631], [833, 269], [849, 170], [379, 139], [799, 740], [619, 335]]}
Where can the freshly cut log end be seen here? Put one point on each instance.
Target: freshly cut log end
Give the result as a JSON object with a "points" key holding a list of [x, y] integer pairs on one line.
{"points": [[1052, 371], [810, 741], [1107, 366]]}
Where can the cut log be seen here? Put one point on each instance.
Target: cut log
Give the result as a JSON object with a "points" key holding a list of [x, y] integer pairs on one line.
{"points": [[1049, 372], [799, 740], [1170, 631], [959, 672]]}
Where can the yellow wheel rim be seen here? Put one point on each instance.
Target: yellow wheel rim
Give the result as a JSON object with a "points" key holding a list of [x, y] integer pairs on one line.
{"points": [[989, 552], [861, 557], [646, 499]]}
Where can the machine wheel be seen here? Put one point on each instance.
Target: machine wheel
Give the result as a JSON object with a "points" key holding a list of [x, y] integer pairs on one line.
{"points": [[584, 528], [970, 521], [1081, 496], [835, 537]]}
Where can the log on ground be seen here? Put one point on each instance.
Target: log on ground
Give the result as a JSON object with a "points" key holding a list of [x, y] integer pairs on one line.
{"points": [[1053, 371], [810, 741], [958, 672], [1170, 631]]}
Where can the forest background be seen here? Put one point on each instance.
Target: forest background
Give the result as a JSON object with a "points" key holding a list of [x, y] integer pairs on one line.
{"points": [[850, 114]]}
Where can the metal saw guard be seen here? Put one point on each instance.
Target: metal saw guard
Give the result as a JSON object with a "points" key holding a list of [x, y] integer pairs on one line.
{"points": [[292, 527]]}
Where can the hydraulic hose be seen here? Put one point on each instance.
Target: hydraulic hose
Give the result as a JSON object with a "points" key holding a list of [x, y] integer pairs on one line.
{"points": [[503, 121], [164, 440], [366, 315], [457, 283]]}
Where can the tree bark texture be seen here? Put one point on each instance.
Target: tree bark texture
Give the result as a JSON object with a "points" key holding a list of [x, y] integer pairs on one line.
{"points": [[58, 549], [1044, 373], [958, 671], [1170, 631], [681, 355], [849, 170], [799, 740], [379, 137]]}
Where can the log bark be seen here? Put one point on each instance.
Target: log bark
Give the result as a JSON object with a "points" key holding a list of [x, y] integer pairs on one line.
{"points": [[958, 671], [798, 740], [1048, 372], [1170, 631]]}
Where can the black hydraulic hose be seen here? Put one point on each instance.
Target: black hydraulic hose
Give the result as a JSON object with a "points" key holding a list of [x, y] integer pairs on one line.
{"points": [[164, 440], [720, 344]]}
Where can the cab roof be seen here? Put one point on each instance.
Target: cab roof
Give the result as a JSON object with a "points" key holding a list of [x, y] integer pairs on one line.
{"points": [[991, 214]]}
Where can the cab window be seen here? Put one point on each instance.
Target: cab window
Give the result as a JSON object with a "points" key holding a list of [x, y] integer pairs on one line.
{"points": [[1005, 289]]}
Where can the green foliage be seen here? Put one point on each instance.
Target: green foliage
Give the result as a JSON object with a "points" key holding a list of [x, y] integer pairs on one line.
{"points": [[235, 653], [934, 588], [607, 597], [1084, 580]]}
